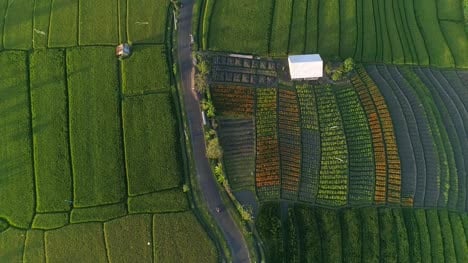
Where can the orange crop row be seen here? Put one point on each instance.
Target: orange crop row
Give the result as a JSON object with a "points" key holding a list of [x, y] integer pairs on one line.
{"points": [[233, 100]]}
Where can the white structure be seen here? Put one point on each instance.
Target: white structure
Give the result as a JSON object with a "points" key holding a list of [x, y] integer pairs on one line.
{"points": [[305, 66]]}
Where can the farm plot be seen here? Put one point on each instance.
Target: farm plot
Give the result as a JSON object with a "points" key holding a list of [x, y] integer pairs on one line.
{"points": [[409, 143], [267, 160], [16, 163], [153, 161], [298, 27], [280, 27], [146, 71], [18, 25], [50, 123], [380, 157], [98, 22], [391, 151], [333, 177], [245, 30], [63, 30], [174, 236], [359, 143], [237, 137], [146, 21], [310, 136], [289, 134], [433, 181], [41, 23], [233, 101], [393, 31], [362, 234], [95, 137], [444, 136]]}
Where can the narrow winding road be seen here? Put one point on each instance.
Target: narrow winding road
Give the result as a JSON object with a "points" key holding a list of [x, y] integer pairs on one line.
{"points": [[206, 180]]}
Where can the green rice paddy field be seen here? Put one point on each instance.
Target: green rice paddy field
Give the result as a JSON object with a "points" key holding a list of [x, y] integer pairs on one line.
{"points": [[90, 166], [422, 32]]}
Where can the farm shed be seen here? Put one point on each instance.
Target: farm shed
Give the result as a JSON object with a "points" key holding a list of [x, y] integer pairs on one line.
{"points": [[305, 66], [123, 51]]}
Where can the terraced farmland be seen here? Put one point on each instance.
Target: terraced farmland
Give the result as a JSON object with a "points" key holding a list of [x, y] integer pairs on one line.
{"points": [[393, 136], [91, 167], [362, 234], [397, 32]]}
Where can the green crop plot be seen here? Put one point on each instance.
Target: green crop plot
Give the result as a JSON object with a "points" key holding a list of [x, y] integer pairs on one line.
{"points": [[95, 128], [348, 28], [457, 41], [63, 30], [146, 21], [98, 22], [298, 27], [174, 238], [3, 9], [98, 213], [50, 220], [50, 123], [34, 246], [173, 200], [240, 26], [151, 142], [12, 245], [18, 25], [129, 239], [41, 23], [61, 244], [329, 28], [145, 71], [279, 38], [16, 169], [312, 26]]}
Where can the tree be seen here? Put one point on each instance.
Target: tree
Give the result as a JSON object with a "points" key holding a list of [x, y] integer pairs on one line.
{"points": [[201, 84], [203, 68], [213, 149], [328, 68], [348, 65], [337, 75]]}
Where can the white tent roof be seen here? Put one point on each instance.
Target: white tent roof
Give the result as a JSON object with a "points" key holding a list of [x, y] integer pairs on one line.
{"points": [[305, 66]]}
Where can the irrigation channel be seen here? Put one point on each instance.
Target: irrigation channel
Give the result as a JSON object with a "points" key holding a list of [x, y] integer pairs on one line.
{"points": [[206, 180]]}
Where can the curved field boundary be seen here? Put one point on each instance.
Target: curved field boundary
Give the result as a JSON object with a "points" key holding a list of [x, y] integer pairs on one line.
{"points": [[378, 26], [377, 141], [454, 33], [424, 148], [432, 143], [359, 142], [310, 163], [453, 95], [398, 56], [426, 16], [289, 133], [403, 119], [393, 160], [415, 33], [455, 129], [407, 55], [333, 179], [444, 134], [458, 84], [400, 14]]}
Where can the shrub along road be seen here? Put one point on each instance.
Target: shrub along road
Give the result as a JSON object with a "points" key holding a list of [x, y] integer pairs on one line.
{"points": [[231, 232]]}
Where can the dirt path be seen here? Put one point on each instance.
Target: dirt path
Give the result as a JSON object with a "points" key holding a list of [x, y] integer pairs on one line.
{"points": [[206, 180]]}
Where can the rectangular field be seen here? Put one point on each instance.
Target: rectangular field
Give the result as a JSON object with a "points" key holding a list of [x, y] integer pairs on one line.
{"points": [[16, 164], [127, 239], [145, 71], [50, 124], [98, 22], [329, 28], [174, 236], [280, 27], [61, 244], [18, 25], [41, 23], [95, 126], [63, 31], [146, 21], [240, 26], [173, 200], [151, 143]]}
